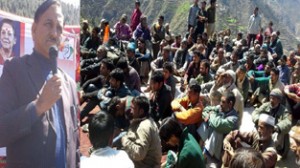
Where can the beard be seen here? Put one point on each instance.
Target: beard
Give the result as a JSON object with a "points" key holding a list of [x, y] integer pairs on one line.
{"points": [[297, 161]]}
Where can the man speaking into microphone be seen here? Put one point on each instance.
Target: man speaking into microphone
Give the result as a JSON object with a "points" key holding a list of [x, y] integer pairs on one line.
{"points": [[38, 103]]}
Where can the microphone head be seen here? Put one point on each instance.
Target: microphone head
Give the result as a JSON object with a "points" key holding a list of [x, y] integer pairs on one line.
{"points": [[53, 52]]}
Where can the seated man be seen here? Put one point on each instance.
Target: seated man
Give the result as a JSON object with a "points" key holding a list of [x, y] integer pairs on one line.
{"points": [[188, 110], [116, 88], [160, 97], [142, 142], [189, 152], [218, 121], [260, 140], [131, 77], [91, 87], [282, 117], [242, 82], [204, 75], [292, 93], [101, 129]]}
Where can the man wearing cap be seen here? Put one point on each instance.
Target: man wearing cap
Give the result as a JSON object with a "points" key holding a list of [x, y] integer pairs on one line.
{"points": [[295, 142], [282, 117], [38, 106], [218, 121], [132, 57], [260, 140], [84, 32], [228, 79]]}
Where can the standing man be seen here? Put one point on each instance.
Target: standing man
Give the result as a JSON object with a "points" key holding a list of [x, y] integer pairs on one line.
{"points": [[211, 18], [254, 26], [142, 142], [7, 40], [38, 107], [136, 16], [193, 14]]}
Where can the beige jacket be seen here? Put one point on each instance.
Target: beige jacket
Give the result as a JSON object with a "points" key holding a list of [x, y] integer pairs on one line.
{"points": [[142, 143]]}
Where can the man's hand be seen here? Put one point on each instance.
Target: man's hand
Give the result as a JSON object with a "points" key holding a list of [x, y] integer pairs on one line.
{"points": [[49, 94], [228, 147]]}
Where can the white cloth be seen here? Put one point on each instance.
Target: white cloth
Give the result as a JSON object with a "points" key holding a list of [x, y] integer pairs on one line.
{"points": [[107, 158], [254, 24]]}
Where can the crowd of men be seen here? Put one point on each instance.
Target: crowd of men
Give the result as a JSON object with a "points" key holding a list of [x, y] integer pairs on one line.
{"points": [[183, 96]]}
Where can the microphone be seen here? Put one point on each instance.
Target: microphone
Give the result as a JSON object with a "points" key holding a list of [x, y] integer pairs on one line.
{"points": [[53, 53]]}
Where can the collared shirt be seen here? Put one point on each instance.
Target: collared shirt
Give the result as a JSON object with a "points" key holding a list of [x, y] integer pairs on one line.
{"points": [[254, 24], [193, 15], [57, 112], [107, 158]]}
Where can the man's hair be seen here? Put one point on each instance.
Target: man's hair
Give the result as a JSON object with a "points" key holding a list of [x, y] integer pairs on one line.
{"points": [[247, 157], [157, 77], [230, 98], [161, 17], [7, 21], [198, 53], [43, 7], [138, 2], [275, 70], [117, 74], [206, 63], [101, 129], [112, 106], [97, 29], [169, 126], [122, 63], [108, 63], [143, 103], [168, 66]]}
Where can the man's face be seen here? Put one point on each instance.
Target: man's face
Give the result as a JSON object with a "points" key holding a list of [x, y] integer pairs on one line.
{"points": [[85, 26], [255, 12], [114, 83], [264, 132], [166, 54], [160, 21], [7, 35], [274, 77], [275, 101], [234, 58], [225, 106], [240, 74], [47, 31], [103, 70], [221, 53], [203, 5], [166, 73], [135, 111], [155, 86], [141, 45], [193, 96], [203, 70]]}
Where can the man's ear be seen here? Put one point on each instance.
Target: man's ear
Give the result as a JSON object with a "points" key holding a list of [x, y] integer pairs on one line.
{"points": [[33, 30]]}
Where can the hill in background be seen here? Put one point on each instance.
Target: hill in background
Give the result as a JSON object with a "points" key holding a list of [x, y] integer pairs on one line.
{"points": [[27, 8], [233, 14]]}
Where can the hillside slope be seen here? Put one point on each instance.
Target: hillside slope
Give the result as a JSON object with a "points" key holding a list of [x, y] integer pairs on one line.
{"points": [[231, 14]]}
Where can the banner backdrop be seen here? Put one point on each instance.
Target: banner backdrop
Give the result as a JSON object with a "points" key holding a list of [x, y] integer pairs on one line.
{"points": [[23, 44]]}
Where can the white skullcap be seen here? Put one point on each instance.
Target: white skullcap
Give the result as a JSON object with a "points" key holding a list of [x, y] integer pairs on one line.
{"points": [[267, 119], [220, 71], [232, 74]]}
